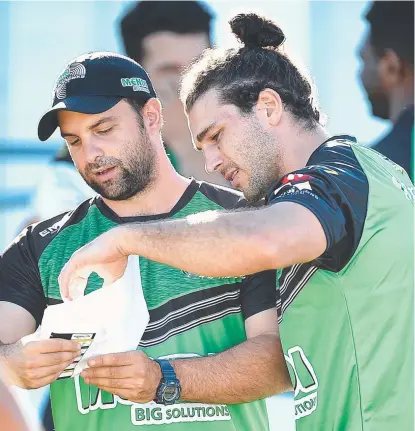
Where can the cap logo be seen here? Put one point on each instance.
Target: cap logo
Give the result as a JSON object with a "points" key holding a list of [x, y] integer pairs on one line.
{"points": [[73, 71], [138, 84]]}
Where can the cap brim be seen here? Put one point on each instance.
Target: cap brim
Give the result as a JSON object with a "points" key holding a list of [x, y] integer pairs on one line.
{"points": [[84, 104]]}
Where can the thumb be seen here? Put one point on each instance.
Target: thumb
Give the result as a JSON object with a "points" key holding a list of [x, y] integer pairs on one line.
{"points": [[73, 278]]}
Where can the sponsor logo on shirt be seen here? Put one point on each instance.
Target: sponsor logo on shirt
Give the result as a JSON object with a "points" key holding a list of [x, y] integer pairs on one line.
{"points": [[293, 178], [409, 191], [298, 181], [52, 229], [304, 380]]}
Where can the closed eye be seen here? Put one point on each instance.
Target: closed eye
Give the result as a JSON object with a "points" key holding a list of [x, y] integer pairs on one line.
{"points": [[216, 136], [73, 143], [104, 132]]}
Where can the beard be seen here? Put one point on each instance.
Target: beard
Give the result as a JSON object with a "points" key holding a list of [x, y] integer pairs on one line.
{"points": [[262, 156], [380, 105], [136, 171]]}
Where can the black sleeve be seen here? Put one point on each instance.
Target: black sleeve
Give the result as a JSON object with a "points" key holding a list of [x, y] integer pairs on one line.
{"points": [[20, 281], [338, 198], [258, 293]]}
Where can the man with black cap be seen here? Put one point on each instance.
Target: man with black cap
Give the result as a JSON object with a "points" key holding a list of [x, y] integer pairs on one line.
{"points": [[108, 113]]}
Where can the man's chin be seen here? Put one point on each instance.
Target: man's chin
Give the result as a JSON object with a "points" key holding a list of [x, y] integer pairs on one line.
{"points": [[252, 198], [380, 108]]}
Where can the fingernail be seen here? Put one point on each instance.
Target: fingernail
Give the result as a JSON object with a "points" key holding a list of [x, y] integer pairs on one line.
{"points": [[91, 362]]}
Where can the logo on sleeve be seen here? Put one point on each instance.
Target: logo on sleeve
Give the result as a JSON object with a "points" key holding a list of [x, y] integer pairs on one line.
{"points": [[294, 178], [299, 181]]}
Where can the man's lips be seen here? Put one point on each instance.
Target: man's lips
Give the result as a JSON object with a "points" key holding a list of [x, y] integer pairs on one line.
{"points": [[230, 175], [102, 171], [104, 174]]}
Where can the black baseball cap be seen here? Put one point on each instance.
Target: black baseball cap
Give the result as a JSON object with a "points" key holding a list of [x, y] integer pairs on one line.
{"points": [[94, 83]]}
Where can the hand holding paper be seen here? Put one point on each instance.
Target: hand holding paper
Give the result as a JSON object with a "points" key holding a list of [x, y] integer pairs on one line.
{"points": [[38, 363], [103, 256], [131, 375], [109, 320]]}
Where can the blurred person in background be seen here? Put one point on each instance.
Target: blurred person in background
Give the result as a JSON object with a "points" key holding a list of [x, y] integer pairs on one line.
{"points": [[108, 112], [388, 76], [164, 37], [60, 188]]}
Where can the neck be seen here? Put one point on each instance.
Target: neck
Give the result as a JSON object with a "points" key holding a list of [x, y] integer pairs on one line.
{"points": [[400, 100], [300, 147], [159, 197]]}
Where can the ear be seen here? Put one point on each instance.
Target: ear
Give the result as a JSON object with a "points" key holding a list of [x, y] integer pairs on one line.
{"points": [[152, 115], [391, 70], [269, 106]]}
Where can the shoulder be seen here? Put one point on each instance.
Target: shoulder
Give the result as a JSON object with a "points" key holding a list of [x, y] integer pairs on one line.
{"points": [[36, 237], [225, 197]]}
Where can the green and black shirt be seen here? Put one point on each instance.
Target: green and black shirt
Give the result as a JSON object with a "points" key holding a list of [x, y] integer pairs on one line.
{"points": [[189, 315]]}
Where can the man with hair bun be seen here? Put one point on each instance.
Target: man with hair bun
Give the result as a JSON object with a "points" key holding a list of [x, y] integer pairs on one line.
{"points": [[338, 226]]}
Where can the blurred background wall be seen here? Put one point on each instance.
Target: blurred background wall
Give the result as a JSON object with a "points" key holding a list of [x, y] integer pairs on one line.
{"points": [[38, 38]]}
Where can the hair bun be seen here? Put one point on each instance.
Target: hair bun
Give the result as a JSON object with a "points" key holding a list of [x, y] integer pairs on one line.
{"points": [[251, 29]]}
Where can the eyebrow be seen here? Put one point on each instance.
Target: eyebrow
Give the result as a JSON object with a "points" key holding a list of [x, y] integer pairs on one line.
{"points": [[205, 131], [167, 67], [92, 126]]}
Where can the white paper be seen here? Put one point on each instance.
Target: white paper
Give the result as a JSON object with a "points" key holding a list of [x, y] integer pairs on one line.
{"points": [[116, 314]]}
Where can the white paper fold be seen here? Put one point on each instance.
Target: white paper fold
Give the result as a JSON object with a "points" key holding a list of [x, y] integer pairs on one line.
{"points": [[116, 317]]}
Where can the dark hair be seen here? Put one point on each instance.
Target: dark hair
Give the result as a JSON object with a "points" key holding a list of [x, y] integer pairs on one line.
{"points": [[392, 27], [149, 17], [137, 107], [241, 74]]}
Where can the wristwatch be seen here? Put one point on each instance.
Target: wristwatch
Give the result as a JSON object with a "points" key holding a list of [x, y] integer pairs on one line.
{"points": [[169, 389]]}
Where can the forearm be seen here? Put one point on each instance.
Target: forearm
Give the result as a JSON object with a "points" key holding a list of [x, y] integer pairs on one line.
{"points": [[252, 370], [234, 244], [6, 370], [8, 349]]}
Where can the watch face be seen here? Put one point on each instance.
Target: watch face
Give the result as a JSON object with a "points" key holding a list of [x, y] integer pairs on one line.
{"points": [[170, 392]]}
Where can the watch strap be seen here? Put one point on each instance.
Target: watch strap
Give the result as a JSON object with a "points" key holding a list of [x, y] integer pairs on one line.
{"points": [[167, 369]]}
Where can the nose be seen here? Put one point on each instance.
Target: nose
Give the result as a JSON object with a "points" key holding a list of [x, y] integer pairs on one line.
{"points": [[213, 159], [92, 149]]}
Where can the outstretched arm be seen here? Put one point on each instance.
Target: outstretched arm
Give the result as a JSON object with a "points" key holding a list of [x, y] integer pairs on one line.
{"points": [[211, 243]]}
